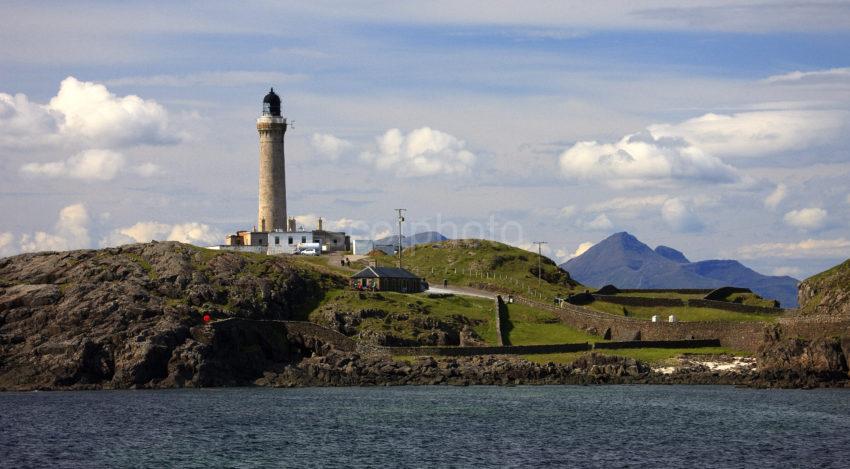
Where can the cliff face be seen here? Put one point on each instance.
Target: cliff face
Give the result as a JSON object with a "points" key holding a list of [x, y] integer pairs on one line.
{"points": [[827, 293], [130, 316]]}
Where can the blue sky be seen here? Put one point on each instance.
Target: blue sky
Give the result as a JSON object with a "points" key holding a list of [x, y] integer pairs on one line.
{"points": [[719, 128]]}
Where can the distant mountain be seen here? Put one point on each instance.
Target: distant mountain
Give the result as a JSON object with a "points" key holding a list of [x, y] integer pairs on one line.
{"points": [[418, 238], [623, 261], [672, 254]]}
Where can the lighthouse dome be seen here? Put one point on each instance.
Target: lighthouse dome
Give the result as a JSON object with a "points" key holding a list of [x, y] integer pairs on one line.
{"points": [[271, 104]]}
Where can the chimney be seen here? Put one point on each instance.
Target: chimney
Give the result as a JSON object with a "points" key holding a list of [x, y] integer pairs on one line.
{"points": [[291, 224], [320, 224]]}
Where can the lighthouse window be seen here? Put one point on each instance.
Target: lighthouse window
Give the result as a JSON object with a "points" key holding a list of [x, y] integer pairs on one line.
{"points": [[303, 239], [290, 240], [276, 240]]}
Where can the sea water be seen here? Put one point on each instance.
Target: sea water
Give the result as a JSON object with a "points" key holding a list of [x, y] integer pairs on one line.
{"points": [[525, 426]]}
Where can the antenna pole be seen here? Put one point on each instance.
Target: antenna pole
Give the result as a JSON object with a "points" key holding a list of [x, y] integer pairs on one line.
{"points": [[539, 258], [400, 219]]}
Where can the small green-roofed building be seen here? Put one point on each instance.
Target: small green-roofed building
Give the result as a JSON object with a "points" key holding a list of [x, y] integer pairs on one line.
{"points": [[388, 279]]}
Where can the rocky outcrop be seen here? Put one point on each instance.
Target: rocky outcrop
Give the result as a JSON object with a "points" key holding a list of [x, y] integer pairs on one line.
{"points": [[827, 293], [413, 326], [127, 317], [340, 369]]}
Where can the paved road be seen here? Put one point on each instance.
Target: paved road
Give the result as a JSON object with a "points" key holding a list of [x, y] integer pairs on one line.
{"points": [[464, 292]]}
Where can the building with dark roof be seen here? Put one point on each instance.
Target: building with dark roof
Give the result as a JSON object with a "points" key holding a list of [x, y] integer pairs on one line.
{"points": [[388, 279]]}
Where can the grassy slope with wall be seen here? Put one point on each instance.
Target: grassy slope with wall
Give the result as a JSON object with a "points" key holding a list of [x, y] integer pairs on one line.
{"points": [[682, 313], [530, 326], [494, 265]]}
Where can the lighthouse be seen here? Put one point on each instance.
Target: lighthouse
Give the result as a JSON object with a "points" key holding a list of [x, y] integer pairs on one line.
{"points": [[271, 215], [274, 232]]}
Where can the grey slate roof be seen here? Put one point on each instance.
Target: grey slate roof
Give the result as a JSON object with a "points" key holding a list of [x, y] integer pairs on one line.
{"points": [[384, 272]]}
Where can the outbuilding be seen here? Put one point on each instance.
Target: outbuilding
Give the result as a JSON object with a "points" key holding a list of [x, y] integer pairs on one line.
{"points": [[388, 279]]}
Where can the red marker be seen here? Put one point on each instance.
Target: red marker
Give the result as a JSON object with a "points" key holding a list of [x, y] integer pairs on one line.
{"points": [[207, 317]]}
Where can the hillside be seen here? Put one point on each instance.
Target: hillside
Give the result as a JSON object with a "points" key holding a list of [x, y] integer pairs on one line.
{"points": [[827, 292], [490, 265], [624, 261], [127, 316]]}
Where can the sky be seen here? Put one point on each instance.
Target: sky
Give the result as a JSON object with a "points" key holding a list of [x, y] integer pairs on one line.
{"points": [[719, 128]]}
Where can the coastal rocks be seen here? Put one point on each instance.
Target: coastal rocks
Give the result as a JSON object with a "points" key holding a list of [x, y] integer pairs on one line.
{"points": [[124, 317], [339, 369]]}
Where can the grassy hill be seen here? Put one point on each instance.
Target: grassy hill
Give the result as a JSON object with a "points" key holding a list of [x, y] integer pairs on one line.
{"points": [[827, 292], [488, 265]]}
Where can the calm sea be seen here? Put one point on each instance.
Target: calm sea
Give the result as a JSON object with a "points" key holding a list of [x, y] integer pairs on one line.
{"points": [[554, 426]]}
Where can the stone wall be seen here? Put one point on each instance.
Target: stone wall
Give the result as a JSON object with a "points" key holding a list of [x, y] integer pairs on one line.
{"points": [[321, 333], [681, 291], [501, 318], [738, 335], [486, 350], [639, 301], [657, 344], [748, 336], [736, 307], [676, 302], [811, 327]]}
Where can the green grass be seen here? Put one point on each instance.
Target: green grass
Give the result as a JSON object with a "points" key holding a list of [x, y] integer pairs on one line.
{"points": [[480, 262], [529, 326], [481, 311], [144, 264], [682, 313], [663, 294], [749, 299], [832, 281], [649, 355]]}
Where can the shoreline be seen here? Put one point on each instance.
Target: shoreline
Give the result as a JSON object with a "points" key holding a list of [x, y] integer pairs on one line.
{"points": [[340, 369]]}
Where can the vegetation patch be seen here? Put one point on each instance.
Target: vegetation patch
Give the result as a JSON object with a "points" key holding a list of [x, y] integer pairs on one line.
{"points": [[490, 265], [649, 355], [530, 326], [144, 264], [682, 313], [397, 319]]}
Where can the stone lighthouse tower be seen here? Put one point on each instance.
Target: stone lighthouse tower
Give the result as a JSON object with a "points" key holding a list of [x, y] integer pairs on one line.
{"points": [[272, 126]]}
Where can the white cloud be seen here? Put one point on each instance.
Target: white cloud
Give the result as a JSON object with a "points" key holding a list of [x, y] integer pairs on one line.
{"points": [[6, 244], [422, 152], [618, 204], [831, 74], [24, 123], [329, 146], [679, 216], [567, 212], [91, 112], [756, 133], [807, 218], [809, 248], [217, 79], [83, 113], [641, 159], [146, 169], [775, 197], [143, 232], [88, 165], [71, 232], [581, 249], [600, 223], [789, 271], [311, 221]]}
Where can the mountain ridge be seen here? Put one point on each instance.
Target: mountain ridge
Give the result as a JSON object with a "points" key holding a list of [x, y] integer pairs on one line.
{"points": [[625, 262]]}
